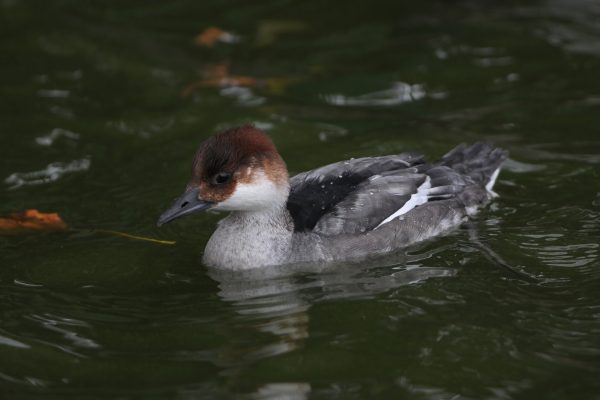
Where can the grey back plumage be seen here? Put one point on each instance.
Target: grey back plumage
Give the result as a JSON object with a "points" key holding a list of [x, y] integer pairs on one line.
{"points": [[356, 196]]}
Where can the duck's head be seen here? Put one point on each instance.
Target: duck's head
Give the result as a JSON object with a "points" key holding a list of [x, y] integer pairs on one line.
{"points": [[236, 170]]}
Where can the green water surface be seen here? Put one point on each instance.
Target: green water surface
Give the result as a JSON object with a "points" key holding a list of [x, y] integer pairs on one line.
{"points": [[103, 103]]}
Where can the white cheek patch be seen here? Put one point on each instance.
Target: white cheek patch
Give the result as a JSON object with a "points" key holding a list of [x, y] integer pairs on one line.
{"points": [[417, 199], [260, 194]]}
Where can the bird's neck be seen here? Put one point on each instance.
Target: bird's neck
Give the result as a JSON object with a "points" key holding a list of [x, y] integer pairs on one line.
{"points": [[249, 239]]}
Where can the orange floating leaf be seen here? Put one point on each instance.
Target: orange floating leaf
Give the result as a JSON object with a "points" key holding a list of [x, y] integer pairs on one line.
{"points": [[31, 221], [213, 35], [217, 76], [216, 71]]}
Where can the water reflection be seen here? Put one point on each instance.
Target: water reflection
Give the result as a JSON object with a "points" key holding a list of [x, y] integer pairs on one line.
{"points": [[574, 24], [51, 173], [283, 391], [552, 151], [552, 250], [398, 93], [66, 328], [54, 93], [6, 341], [329, 131], [244, 96], [54, 135], [145, 128], [276, 300]]}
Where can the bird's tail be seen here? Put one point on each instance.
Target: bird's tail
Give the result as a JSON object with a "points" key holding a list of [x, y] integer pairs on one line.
{"points": [[481, 161]]}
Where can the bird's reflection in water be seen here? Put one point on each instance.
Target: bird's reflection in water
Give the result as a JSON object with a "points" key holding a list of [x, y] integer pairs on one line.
{"points": [[271, 306], [283, 391], [276, 299]]}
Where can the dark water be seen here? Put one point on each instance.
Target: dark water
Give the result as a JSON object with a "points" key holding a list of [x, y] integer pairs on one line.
{"points": [[507, 307]]}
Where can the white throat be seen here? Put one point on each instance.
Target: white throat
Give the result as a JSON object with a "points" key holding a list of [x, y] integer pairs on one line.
{"points": [[260, 194]]}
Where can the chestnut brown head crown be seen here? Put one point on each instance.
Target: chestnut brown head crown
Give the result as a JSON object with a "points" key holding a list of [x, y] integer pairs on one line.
{"points": [[230, 149], [240, 169]]}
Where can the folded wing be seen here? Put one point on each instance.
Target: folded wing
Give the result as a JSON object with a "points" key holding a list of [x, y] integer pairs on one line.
{"points": [[313, 194], [357, 196], [386, 197]]}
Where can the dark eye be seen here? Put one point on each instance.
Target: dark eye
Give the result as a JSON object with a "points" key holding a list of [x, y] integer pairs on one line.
{"points": [[220, 178]]}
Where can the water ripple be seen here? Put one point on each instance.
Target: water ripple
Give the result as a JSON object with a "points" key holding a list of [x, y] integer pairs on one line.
{"points": [[48, 140], [570, 255], [399, 93], [244, 96], [6, 341], [65, 327], [51, 173]]}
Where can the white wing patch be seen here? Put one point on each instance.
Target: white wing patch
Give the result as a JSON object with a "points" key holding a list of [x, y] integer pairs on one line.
{"points": [[490, 185], [418, 198]]}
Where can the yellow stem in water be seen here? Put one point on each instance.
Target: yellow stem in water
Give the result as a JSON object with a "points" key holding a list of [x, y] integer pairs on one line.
{"points": [[127, 235]]}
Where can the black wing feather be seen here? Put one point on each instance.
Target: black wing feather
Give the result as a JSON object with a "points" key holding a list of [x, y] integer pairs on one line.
{"points": [[317, 192]]}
